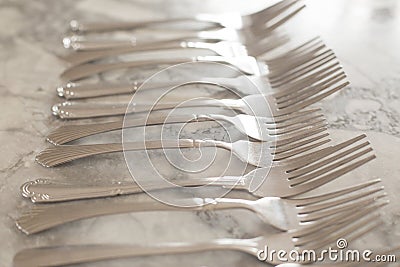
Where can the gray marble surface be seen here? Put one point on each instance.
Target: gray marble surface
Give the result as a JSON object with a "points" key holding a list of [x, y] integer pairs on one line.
{"points": [[365, 35]]}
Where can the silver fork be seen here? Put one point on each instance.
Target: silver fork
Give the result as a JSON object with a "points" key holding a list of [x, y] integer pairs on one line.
{"points": [[297, 68], [242, 85], [254, 153], [261, 43], [281, 180], [258, 128], [313, 237], [283, 214], [229, 20], [275, 104]]}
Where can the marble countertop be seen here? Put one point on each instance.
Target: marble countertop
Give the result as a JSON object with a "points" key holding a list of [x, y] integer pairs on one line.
{"points": [[365, 35]]}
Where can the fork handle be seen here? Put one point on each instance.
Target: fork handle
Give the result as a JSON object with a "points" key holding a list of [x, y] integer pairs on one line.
{"points": [[211, 35], [67, 133], [88, 69], [123, 25], [74, 254], [86, 56], [94, 45], [41, 218], [78, 111], [57, 155], [72, 91], [79, 91], [46, 191]]}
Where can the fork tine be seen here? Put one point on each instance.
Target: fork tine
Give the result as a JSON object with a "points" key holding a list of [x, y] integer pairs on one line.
{"points": [[331, 167], [345, 216], [271, 10], [359, 203], [308, 63], [285, 79], [307, 80], [293, 131], [358, 234], [321, 81], [286, 18], [291, 69], [282, 149], [323, 236], [302, 95], [283, 95], [331, 195], [289, 154], [288, 117], [323, 163], [260, 33], [315, 99], [370, 222], [262, 17], [285, 139], [297, 60], [296, 124], [305, 160], [296, 51], [305, 187], [316, 121], [289, 72]]}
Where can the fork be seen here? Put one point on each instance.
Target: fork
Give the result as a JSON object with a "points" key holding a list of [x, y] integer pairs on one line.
{"points": [[271, 105], [293, 213], [254, 153], [229, 20], [314, 237], [242, 85], [281, 180], [258, 128]]}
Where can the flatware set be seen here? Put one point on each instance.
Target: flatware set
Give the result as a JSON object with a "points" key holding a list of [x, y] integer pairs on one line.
{"points": [[284, 140]]}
